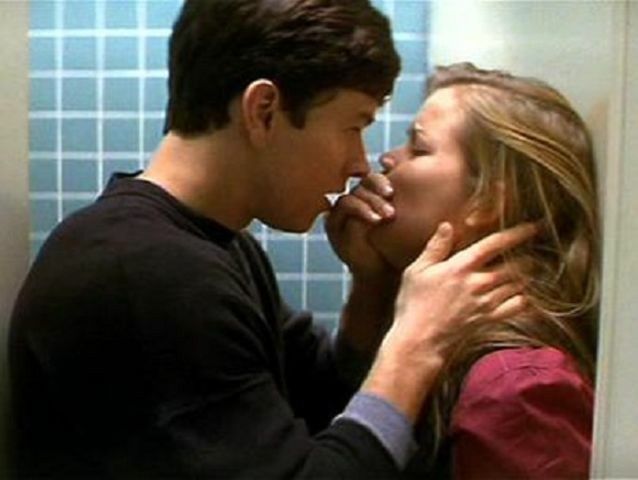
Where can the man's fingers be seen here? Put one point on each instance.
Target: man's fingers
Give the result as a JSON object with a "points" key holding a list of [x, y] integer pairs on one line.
{"points": [[494, 298], [438, 247], [488, 248], [489, 280], [513, 306]]}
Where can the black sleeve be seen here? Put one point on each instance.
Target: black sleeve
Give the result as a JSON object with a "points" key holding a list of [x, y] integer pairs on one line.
{"points": [[316, 390], [221, 409]]}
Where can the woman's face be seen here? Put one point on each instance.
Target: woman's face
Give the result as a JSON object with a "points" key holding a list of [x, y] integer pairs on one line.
{"points": [[431, 181]]}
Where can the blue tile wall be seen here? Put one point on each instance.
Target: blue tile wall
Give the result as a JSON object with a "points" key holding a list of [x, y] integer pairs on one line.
{"points": [[42, 15], [407, 94], [43, 94], [120, 53], [79, 135], [43, 135], [121, 14], [79, 175], [121, 135], [98, 94], [286, 254], [79, 54], [410, 16], [321, 259], [121, 94], [42, 54], [43, 175], [79, 94], [156, 53], [44, 214], [152, 133], [79, 14]]}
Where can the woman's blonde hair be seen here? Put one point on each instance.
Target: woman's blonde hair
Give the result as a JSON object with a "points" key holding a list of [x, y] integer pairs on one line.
{"points": [[531, 158]]}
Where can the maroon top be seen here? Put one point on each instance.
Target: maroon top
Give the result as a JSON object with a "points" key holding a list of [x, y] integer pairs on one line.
{"points": [[523, 413]]}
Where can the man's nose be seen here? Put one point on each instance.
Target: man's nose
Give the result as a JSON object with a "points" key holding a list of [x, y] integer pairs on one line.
{"points": [[359, 164], [388, 161]]}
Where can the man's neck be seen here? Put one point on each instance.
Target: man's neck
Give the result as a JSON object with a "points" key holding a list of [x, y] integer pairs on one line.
{"points": [[208, 174]]}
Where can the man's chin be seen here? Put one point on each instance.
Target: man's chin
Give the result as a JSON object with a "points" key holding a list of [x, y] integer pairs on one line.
{"points": [[296, 225]]}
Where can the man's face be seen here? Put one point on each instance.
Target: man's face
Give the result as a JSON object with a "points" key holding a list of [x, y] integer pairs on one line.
{"points": [[303, 165]]}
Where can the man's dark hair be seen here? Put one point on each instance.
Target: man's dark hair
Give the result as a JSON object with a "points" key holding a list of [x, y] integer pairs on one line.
{"points": [[306, 47]]}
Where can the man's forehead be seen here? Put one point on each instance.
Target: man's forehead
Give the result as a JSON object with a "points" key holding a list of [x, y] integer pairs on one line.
{"points": [[346, 106], [357, 105]]}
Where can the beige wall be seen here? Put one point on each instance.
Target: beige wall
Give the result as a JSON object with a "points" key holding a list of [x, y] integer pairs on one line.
{"points": [[584, 49], [14, 219]]}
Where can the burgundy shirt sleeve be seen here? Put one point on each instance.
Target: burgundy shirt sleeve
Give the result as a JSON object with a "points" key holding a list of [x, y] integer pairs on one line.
{"points": [[523, 413]]}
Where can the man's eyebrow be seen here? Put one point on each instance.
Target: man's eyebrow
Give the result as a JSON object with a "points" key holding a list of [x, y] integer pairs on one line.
{"points": [[367, 118]]}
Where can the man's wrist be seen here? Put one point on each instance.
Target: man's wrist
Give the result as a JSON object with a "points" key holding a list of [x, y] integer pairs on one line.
{"points": [[403, 379]]}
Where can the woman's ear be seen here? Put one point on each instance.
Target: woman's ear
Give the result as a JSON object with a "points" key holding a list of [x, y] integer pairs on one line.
{"points": [[486, 211], [259, 103]]}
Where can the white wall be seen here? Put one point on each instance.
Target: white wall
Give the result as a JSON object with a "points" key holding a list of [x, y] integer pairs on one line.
{"points": [[565, 43], [584, 49], [14, 219], [617, 410]]}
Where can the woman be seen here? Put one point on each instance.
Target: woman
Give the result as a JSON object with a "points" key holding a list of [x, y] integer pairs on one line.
{"points": [[487, 151]]}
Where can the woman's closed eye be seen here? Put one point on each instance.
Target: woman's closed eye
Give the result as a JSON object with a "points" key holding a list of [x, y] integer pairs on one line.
{"points": [[419, 151], [416, 144]]}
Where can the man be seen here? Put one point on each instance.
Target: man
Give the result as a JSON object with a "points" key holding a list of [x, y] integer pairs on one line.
{"points": [[150, 338]]}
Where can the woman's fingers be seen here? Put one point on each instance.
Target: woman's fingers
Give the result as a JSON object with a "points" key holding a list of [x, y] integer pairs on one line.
{"points": [[374, 202], [378, 184], [369, 201], [354, 206]]}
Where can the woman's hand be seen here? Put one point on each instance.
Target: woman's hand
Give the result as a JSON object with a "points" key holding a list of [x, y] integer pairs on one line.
{"points": [[351, 218]]}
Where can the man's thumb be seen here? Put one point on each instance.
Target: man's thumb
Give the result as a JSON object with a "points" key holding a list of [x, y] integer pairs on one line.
{"points": [[439, 246]]}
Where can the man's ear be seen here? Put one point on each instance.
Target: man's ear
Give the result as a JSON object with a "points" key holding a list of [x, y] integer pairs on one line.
{"points": [[485, 212], [259, 103]]}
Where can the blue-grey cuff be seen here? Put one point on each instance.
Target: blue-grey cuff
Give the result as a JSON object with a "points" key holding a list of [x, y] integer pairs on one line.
{"points": [[385, 422]]}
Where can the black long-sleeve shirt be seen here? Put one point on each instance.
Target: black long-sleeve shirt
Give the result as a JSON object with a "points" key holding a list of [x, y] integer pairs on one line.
{"points": [[150, 341]]}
